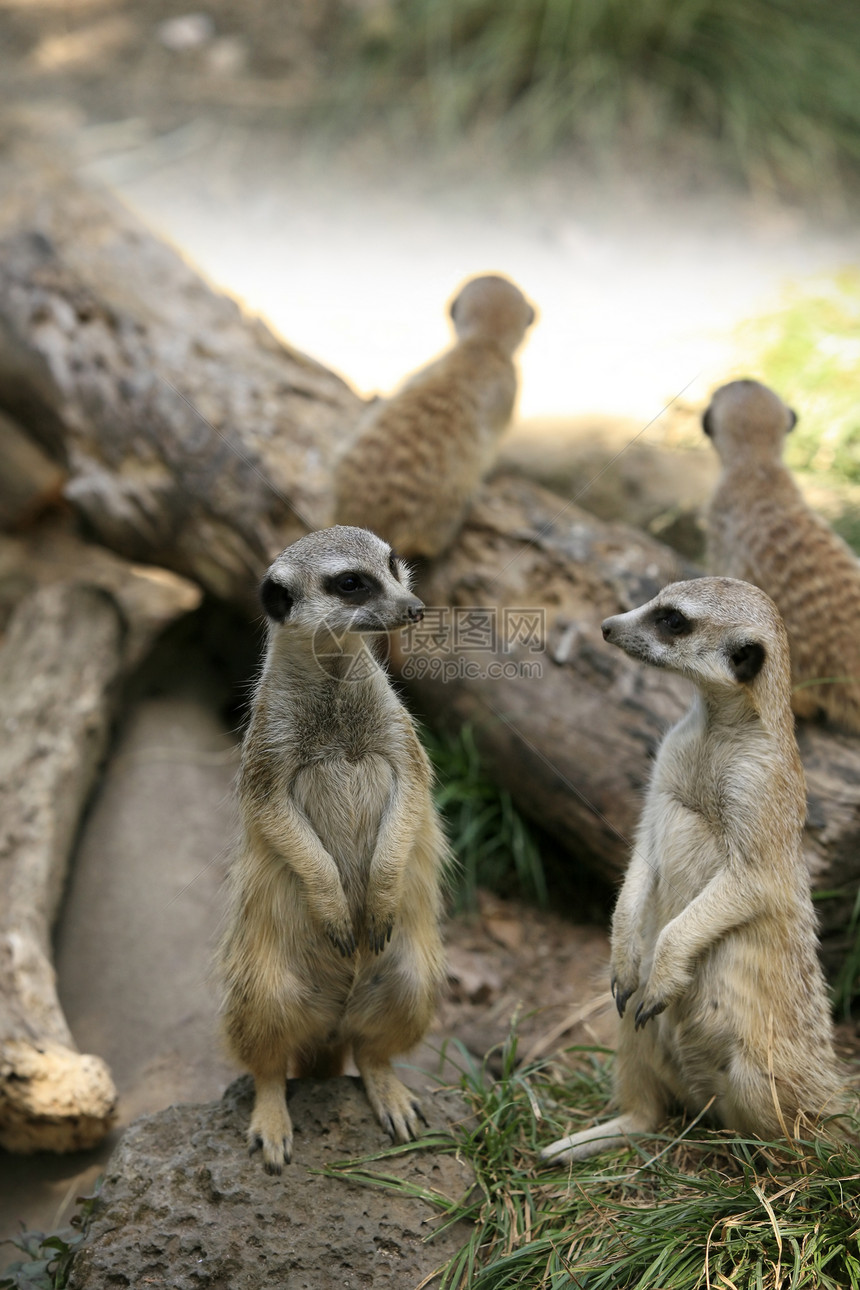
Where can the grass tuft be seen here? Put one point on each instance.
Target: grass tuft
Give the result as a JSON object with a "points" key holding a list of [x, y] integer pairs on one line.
{"points": [[675, 1211]]}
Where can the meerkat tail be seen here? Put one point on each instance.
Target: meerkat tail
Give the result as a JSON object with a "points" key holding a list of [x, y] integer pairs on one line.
{"points": [[600, 1137]]}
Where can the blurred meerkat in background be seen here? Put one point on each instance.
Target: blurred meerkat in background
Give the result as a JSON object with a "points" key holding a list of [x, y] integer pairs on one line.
{"points": [[760, 529], [418, 456]]}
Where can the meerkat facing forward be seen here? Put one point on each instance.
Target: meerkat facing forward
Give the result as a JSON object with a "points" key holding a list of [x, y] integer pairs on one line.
{"points": [[332, 938], [714, 942], [760, 529], [418, 456]]}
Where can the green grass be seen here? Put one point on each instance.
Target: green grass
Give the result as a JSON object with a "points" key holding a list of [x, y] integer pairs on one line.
{"points": [[770, 85], [47, 1261], [809, 351], [694, 1209], [846, 984], [493, 844]]}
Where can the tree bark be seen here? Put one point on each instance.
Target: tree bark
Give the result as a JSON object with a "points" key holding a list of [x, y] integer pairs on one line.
{"points": [[192, 437], [59, 669]]}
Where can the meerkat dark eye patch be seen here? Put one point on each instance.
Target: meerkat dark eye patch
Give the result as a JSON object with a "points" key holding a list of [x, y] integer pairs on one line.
{"points": [[392, 566], [747, 661], [276, 599], [707, 423], [672, 622], [352, 585]]}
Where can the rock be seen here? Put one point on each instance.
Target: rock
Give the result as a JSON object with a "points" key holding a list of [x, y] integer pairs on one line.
{"points": [[184, 1206]]}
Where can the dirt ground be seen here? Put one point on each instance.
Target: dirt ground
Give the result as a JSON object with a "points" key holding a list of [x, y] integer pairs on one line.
{"points": [[352, 257]]}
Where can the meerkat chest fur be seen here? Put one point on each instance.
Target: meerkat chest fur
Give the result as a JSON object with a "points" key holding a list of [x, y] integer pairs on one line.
{"points": [[336, 748], [711, 796]]}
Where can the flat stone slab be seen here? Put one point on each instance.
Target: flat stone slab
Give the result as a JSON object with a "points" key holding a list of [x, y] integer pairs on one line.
{"points": [[184, 1207]]}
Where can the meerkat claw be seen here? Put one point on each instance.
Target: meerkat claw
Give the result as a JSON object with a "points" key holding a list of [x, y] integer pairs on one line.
{"points": [[379, 937], [344, 942], [644, 1015], [621, 1000], [416, 1107]]}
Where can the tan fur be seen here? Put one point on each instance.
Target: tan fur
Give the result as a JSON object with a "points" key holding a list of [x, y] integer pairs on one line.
{"points": [[761, 530], [418, 456], [714, 940], [332, 938]]}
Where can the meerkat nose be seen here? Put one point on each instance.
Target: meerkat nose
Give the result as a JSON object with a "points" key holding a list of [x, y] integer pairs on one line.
{"points": [[415, 611], [606, 628]]}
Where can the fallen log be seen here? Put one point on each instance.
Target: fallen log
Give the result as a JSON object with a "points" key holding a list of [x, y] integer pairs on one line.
{"points": [[569, 726], [193, 438], [58, 672]]}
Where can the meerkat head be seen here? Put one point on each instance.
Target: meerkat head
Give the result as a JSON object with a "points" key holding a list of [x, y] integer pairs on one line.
{"points": [[721, 633], [345, 579], [491, 308], [747, 419]]}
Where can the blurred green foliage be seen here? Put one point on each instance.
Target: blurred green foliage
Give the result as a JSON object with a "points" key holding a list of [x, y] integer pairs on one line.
{"points": [[770, 84], [809, 351]]}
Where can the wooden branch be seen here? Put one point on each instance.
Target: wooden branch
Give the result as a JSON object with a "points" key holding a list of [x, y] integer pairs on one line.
{"points": [[193, 437], [58, 672]]}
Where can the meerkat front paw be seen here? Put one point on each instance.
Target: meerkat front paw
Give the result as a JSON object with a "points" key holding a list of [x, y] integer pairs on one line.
{"points": [[342, 937], [379, 929], [624, 978], [660, 991]]}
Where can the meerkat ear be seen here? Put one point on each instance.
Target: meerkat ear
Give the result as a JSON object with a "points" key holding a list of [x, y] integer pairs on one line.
{"points": [[276, 599], [707, 424], [792, 420], [747, 661]]}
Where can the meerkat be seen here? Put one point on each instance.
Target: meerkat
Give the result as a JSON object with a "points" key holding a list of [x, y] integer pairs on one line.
{"points": [[417, 457], [760, 529], [332, 938], [714, 964]]}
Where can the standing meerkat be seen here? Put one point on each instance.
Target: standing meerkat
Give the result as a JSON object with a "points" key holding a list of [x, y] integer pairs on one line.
{"points": [[714, 943], [760, 529], [332, 938], [417, 457]]}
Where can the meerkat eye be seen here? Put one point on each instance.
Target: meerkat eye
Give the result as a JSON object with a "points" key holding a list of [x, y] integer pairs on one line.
{"points": [[392, 566], [348, 583], [674, 622]]}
